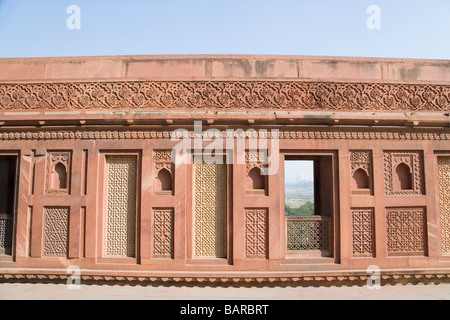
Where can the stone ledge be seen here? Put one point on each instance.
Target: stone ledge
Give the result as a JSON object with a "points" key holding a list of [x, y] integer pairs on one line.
{"points": [[351, 278]]}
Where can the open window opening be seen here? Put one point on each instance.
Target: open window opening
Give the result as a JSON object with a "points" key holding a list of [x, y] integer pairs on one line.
{"points": [[308, 189], [8, 166]]}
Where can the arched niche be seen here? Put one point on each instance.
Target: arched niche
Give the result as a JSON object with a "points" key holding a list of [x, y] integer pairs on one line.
{"points": [[360, 179], [255, 180], [164, 180], [403, 180], [59, 176]]}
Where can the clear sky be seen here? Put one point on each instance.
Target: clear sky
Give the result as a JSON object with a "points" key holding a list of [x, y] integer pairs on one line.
{"points": [[402, 29]]}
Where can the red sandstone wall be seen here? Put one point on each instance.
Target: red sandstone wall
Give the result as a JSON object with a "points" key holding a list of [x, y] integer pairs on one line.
{"points": [[80, 141], [212, 67]]}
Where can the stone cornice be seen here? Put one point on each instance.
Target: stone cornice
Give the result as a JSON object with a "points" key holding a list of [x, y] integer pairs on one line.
{"points": [[224, 95]]}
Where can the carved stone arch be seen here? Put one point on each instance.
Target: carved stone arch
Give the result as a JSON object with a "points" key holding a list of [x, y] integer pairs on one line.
{"points": [[59, 176], [164, 180], [255, 180], [403, 177], [58, 172], [360, 179]]}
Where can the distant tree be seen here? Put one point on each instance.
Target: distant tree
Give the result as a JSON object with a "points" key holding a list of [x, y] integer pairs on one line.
{"points": [[307, 209]]}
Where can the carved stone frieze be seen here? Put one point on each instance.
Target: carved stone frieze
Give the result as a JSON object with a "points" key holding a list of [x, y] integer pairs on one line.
{"points": [[284, 95]]}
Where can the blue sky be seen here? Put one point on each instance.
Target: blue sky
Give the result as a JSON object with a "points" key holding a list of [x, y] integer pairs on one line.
{"points": [[409, 29]]}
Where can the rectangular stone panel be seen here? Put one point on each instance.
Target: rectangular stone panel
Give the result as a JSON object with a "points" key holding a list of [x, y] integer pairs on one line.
{"points": [[256, 233], [121, 205], [363, 232], [210, 210], [56, 231], [406, 231], [163, 233], [444, 201], [403, 172]]}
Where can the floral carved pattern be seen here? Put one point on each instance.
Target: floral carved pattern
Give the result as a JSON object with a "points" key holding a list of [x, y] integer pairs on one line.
{"points": [[283, 95]]}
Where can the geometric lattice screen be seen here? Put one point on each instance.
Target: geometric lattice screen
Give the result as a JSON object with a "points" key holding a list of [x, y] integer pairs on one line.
{"points": [[308, 233], [6, 231], [162, 233], [121, 205], [210, 210], [256, 233], [406, 231], [444, 201], [56, 231], [363, 232]]}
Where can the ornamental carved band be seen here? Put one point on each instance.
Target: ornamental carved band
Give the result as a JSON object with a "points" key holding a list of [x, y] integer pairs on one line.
{"points": [[210, 210], [363, 232], [56, 231], [444, 201], [163, 233], [284, 95], [256, 233], [341, 134], [406, 231], [308, 234], [121, 205]]}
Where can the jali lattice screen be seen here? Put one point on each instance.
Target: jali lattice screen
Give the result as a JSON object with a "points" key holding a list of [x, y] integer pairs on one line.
{"points": [[406, 231], [256, 233], [444, 201], [308, 233], [56, 231], [210, 210], [121, 205]]}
